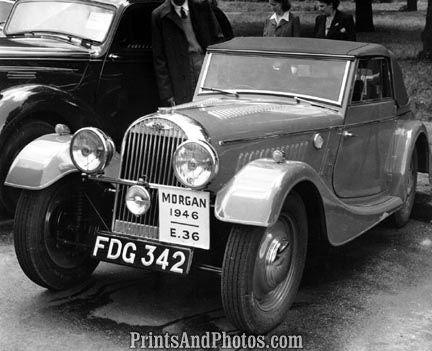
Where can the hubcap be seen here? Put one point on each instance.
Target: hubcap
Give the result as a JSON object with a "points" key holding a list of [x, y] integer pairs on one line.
{"points": [[273, 264], [60, 235]]}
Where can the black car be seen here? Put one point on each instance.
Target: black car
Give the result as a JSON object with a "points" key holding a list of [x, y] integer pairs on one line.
{"points": [[74, 62]]}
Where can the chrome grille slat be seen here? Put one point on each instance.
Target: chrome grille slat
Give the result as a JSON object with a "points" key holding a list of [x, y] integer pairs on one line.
{"points": [[158, 169], [161, 179], [147, 152], [131, 164], [171, 176], [146, 161], [152, 159], [140, 157]]}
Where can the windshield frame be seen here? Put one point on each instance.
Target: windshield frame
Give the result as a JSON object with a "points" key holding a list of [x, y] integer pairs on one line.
{"points": [[347, 59], [83, 2]]}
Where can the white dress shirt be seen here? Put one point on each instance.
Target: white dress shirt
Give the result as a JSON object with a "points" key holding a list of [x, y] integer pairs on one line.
{"points": [[277, 18], [178, 8]]}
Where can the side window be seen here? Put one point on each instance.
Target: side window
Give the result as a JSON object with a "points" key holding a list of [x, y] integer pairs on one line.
{"points": [[372, 81], [134, 31]]}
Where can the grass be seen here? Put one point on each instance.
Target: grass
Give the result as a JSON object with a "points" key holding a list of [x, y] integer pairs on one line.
{"points": [[397, 30]]}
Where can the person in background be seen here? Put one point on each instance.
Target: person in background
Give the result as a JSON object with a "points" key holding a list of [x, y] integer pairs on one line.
{"points": [[223, 21], [181, 32], [282, 23], [332, 23]]}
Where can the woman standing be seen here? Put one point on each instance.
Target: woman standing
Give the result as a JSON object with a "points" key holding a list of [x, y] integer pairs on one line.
{"points": [[282, 23]]}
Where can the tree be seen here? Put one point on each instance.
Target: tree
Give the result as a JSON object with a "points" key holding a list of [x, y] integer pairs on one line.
{"points": [[364, 18], [411, 5], [427, 35]]}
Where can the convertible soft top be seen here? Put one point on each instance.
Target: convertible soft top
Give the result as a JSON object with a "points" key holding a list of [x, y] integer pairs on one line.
{"points": [[303, 45]]}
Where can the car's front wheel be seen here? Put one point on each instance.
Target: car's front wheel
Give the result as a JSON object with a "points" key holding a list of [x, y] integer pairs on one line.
{"points": [[262, 269], [51, 237]]}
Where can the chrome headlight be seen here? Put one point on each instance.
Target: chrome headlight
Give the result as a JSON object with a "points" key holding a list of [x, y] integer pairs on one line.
{"points": [[91, 150], [195, 163]]}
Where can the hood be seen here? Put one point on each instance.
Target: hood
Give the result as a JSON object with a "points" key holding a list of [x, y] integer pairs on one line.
{"points": [[236, 120], [43, 61], [39, 48]]}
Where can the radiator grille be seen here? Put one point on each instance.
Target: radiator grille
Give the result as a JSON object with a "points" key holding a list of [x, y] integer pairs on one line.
{"points": [[147, 153]]}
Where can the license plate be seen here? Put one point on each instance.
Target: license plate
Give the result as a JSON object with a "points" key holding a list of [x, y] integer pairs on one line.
{"points": [[184, 217], [142, 254]]}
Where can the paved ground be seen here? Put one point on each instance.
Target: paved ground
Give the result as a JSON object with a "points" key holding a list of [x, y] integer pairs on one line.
{"points": [[372, 294]]}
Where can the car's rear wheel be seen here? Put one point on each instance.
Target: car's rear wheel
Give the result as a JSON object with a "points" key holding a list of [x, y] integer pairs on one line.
{"points": [[262, 269], [51, 237], [401, 217], [24, 134]]}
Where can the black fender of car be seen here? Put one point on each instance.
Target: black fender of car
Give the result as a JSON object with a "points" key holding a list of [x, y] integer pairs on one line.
{"points": [[45, 103], [45, 161], [256, 194]]}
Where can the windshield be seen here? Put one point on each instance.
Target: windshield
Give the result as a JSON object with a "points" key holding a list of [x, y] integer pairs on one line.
{"points": [[308, 77], [70, 18]]}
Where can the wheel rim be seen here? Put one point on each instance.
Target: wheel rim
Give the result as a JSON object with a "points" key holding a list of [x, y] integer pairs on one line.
{"points": [[274, 264], [61, 238]]}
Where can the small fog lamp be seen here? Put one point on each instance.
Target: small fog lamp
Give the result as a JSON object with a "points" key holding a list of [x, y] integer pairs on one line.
{"points": [[138, 200]]}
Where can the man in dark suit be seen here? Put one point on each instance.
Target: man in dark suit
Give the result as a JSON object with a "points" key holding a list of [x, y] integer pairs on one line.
{"points": [[334, 24], [181, 32]]}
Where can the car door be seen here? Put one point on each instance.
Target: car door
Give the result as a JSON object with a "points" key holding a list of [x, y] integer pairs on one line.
{"points": [[366, 136], [127, 88]]}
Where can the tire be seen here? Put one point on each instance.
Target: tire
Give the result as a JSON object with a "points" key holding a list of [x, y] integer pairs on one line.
{"points": [[24, 134], [256, 296], [402, 216], [45, 236]]}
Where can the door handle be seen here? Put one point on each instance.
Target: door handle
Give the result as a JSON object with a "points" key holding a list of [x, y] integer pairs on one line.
{"points": [[347, 134]]}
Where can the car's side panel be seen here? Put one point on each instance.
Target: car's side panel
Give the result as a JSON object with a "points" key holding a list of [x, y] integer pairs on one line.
{"points": [[47, 160], [363, 150], [296, 147], [255, 196]]}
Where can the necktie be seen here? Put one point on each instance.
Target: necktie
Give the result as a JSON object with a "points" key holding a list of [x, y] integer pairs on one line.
{"points": [[183, 13]]}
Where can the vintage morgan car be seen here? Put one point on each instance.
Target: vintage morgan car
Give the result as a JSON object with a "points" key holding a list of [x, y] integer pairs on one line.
{"points": [[83, 63], [287, 142]]}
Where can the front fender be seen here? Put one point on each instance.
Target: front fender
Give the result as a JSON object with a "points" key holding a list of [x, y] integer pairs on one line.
{"points": [[406, 135], [45, 161], [43, 102], [255, 195]]}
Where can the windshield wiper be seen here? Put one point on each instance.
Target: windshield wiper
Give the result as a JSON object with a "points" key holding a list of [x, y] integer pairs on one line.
{"points": [[222, 91], [314, 103]]}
